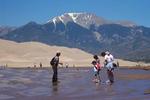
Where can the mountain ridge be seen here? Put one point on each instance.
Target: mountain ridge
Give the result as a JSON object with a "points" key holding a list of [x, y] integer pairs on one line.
{"points": [[86, 19], [122, 41]]}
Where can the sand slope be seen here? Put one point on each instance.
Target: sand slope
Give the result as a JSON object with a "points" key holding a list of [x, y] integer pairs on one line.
{"points": [[29, 53]]}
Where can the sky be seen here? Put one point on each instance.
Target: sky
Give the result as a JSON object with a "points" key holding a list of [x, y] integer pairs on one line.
{"points": [[20, 12]]}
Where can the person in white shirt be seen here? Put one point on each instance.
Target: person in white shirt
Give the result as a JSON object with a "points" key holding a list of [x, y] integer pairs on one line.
{"points": [[109, 60], [108, 63]]}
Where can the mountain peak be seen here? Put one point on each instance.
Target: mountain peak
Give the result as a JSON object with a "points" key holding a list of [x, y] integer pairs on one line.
{"points": [[74, 16], [85, 19], [65, 18]]}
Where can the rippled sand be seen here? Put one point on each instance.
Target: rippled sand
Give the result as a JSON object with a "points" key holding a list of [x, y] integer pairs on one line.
{"points": [[75, 84]]}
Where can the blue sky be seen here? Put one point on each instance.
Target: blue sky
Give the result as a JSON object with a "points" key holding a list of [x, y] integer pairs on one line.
{"points": [[20, 12]]}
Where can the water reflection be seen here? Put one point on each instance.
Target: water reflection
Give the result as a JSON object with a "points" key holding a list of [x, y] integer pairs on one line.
{"points": [[97, 86], [109, 89], [55, 87], [73, 85]]}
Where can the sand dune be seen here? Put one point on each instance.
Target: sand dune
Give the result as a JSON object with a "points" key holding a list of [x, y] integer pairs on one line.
{"points": [[29, 53]]}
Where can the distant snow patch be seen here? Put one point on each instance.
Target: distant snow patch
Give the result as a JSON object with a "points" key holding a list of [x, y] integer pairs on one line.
{"points": [[54, 20], [61, 19], [98, 36], [74, 16]]}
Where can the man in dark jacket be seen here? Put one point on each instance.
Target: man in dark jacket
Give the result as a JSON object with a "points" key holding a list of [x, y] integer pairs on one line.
{"points": [[54, 63]]}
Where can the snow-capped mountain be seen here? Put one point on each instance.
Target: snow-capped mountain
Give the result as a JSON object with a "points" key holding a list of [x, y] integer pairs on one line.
{"points": [[86, 20], [90, 33], [83, 19]]}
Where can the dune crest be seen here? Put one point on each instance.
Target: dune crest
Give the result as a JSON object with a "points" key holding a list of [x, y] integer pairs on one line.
{"points": [[28, 54]]}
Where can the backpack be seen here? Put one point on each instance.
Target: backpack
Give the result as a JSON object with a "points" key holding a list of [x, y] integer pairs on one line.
{"points": [[52, 62]]}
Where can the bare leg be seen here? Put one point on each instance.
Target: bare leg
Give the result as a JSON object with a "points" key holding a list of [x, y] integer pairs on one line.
{"points": [[110, 76]]}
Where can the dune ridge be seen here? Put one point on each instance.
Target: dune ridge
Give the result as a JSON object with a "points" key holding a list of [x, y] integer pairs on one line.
{"points": [[28, 54]]}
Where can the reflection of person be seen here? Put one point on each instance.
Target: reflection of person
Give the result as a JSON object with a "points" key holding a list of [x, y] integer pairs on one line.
{"points": [[55, 87], [54, 63], [109, 65], [96, 64]]}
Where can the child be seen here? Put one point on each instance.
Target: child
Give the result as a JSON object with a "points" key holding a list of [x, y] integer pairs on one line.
{"points": [[96, 64]]}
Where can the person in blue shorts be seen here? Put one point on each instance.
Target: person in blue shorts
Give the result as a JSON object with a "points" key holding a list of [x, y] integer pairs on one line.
{"points": [[108, 63]]}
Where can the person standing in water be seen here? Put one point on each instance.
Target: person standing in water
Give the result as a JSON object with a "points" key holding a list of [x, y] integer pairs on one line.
{"points": [[41, 65], [54, 63], [96, 64], [108, 63]]}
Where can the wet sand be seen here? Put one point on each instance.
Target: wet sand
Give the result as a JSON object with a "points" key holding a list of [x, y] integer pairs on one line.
{"points": [[75, 84], [136, 67]]}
